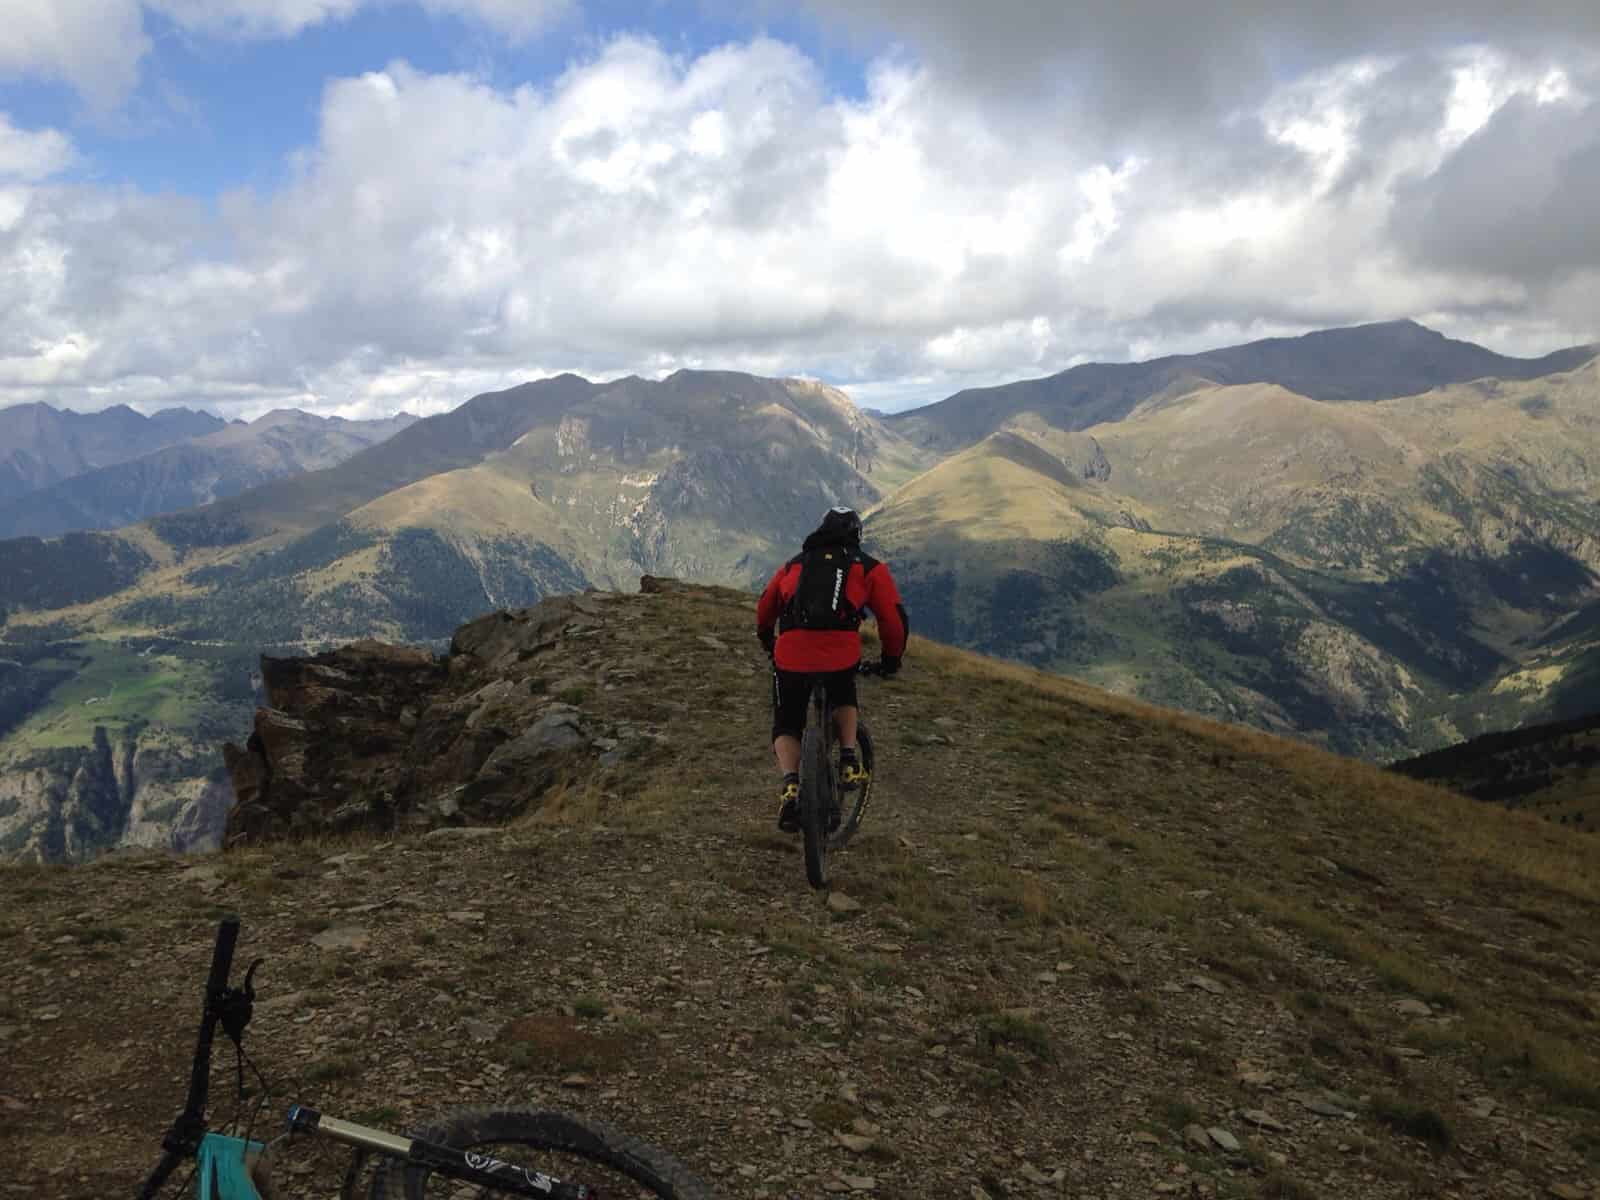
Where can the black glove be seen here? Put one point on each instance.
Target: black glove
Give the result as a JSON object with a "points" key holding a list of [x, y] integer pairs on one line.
{"points": [[768, 640], [889, 664]]}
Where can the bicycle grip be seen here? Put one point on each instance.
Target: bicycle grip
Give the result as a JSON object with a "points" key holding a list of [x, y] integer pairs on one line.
{"points": [[222, 956]]}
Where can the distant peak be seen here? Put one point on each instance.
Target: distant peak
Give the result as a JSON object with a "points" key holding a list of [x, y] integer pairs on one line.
{"points": [[280, 416]]}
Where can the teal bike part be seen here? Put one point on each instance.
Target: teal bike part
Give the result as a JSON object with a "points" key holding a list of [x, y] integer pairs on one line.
{"points": [[223, 1173]]}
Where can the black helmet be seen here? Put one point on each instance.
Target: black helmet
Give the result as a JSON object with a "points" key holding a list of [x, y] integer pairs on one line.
{"points": [[841, 523]]}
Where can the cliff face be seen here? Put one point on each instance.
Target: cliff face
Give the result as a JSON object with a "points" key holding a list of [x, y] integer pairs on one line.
{"points": [[373, 736], [140, 788]]}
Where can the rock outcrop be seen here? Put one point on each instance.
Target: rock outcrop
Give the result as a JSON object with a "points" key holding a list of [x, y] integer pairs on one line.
{"points": [[138, 786], [375, 736]]}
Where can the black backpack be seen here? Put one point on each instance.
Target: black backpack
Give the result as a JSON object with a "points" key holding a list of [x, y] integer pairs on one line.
{"points": [[819, 601]]}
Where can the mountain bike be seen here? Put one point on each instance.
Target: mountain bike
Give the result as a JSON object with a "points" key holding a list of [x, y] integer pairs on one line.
{"points": [[460, 1147], [824, 826]]}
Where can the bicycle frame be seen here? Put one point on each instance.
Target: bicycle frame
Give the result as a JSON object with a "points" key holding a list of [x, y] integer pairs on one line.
{"points": [[222, 1162], [223, 1170]]}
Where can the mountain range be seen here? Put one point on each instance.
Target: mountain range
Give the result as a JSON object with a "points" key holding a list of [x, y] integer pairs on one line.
{"points": [[92, 489], [1375, 538], [41, 445]]}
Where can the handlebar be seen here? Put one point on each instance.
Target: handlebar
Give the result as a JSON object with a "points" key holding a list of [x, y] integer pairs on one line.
{"points": [[183, 1139]]}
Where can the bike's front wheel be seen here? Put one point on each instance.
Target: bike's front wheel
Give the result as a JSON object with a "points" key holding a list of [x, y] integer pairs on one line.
{"points": [[608, 1162], [816, 797]]}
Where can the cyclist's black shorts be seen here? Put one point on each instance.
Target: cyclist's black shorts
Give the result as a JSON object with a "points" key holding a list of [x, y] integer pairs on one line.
{"points": [[792, 689]]}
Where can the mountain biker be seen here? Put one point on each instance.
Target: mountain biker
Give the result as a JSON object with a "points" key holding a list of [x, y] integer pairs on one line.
{"points": [[816, 600]]}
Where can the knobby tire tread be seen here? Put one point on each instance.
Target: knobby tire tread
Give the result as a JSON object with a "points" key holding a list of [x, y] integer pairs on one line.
{"points": [[541, 1129], [814, 805]]}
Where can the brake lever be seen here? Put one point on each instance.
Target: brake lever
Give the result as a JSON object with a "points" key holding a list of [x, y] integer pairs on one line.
{"points": [[235, 1006]]}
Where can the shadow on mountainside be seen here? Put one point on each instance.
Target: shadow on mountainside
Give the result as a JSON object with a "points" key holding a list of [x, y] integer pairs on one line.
{"points": [[1082, 946]]}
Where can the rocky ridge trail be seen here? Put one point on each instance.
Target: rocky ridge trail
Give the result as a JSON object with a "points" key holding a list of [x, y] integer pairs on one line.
{"points": [[1082, 948]]}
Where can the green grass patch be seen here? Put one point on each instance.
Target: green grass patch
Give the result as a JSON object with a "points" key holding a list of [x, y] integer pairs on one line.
{"points": [[340, 1066], [1413, 1120], [1003, 1029], [95, 935]]}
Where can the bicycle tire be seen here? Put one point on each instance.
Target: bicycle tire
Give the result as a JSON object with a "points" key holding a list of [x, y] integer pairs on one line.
{"points": [[814, 788], [858, 811], [540, 1129]]}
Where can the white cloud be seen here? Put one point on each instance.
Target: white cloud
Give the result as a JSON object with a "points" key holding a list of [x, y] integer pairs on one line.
{"points": [[32, 154], [93, 45], [646, 211]]}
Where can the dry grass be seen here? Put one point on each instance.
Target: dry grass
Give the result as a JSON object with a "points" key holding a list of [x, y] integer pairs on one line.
{"points": [[1304, 843]]}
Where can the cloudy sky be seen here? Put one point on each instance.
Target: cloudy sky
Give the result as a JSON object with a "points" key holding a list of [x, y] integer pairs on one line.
{"points": [[358, 206]]}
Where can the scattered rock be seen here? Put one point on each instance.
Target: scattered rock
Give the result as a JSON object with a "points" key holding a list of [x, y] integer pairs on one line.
{"points": [[838, 902], [1410, 1006], [466, 917], [854, 1142], [1224, 1139], [461, 833], [1569, 1191], [1206, 984], [342, 937], [1252, 1075], [1262, 1119], [1320, 1106], [1196, 1136], [576, 1080]]}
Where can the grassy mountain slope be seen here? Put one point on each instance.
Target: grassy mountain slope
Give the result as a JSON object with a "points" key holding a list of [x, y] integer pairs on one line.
{"points": [[194, 472], [1368, 574], [447, 442], [1080, 927], [1362, 363]]}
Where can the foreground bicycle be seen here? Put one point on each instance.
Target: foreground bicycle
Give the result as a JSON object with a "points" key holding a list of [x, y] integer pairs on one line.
{"points": [[462, 1147], [823, 824]]}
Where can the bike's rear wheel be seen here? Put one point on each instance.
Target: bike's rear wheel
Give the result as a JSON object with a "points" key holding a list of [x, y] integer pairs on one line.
{"points": [[574, 1151], [863, 795], [816, 792]]}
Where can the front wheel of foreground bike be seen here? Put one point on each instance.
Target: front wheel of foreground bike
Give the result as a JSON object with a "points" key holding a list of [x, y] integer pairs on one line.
{"points": [[574, 1151]]}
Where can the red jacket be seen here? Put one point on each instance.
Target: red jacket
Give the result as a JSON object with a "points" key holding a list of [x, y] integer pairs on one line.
{"points": [[868, 586]]}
